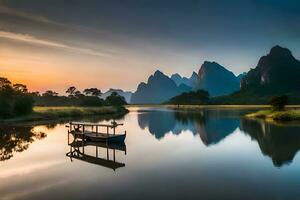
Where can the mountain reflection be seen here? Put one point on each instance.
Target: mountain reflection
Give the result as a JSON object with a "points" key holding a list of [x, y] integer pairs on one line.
{"points": [[212, 126], [16, 139], [281, 143]]}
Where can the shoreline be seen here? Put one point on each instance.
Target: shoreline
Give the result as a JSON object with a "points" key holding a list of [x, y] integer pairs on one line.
{"points": [[188, 107], [44, 113], [279, 116]]}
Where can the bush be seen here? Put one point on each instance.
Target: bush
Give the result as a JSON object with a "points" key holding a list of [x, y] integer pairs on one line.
{"points": [[279, 102], [23, 104], [190, 98], [115, 100], [91, 101]]}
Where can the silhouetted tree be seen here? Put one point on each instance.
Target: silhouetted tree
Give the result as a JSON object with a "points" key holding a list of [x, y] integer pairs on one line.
{"points": [[4, 82], [71, 91], [35, 94], [14, 99], [20, 88], [78, 94], [92, 92], [279, 102], [193, 97], [50, 93], [115, 100]]}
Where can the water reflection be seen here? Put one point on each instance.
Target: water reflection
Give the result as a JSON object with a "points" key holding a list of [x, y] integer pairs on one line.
{"points": [[279, 142], [212, 126], [17, 139], [79, 151], [44, 171]]}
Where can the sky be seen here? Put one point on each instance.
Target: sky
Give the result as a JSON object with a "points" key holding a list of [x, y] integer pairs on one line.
{"points": [[54, 44]]}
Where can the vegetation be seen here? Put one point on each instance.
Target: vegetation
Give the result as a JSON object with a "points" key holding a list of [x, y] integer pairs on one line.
{"points": [[59, 112], [17, 102], [286, 115], [89, 97], [190, 98], [44, 113], [115, 99], [278, 103], [278, 111], [254, 97], [14, 99]]}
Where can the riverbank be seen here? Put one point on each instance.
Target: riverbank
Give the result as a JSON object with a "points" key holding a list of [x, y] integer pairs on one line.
{"points": [[43, 113], [195, 107], [286, 115]]}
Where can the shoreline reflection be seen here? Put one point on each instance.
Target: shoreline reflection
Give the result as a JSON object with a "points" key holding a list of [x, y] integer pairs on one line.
{"points": [[279, 142]]}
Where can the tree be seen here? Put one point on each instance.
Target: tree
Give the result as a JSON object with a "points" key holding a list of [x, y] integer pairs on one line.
{"points": [[92, 92], [35, 94], [14, 99], [71, 91], [115, 100], [50, 93], [279, 102], [20, 88], [4, 82], [78, 94], [193, 97]]}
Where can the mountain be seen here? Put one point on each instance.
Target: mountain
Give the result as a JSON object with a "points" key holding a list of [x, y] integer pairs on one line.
{"points": [[241, 76], [216, 79], [158, 89], [191, 82], [125, 94], [276, 73]]}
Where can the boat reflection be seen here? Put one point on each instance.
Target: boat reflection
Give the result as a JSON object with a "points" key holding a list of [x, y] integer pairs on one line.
{"points": [[78, 151]]}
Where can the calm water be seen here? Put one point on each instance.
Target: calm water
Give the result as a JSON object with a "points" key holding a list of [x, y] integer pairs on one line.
{"points": [[212, 154]]}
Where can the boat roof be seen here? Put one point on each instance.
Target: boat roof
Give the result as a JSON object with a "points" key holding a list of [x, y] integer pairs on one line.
{"points": [[98, 161], [93, 124]]}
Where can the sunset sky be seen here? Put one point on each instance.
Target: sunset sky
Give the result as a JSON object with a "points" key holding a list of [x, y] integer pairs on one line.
{"points": [[53, 44]]}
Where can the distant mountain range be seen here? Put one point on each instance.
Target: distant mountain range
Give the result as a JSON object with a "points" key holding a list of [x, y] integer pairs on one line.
{"points": [[191, 82], [276, 73], [211, 77], [158, 89], [125, 94]]}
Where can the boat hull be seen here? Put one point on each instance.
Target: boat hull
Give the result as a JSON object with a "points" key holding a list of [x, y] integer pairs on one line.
{"points": [[110, 138]]}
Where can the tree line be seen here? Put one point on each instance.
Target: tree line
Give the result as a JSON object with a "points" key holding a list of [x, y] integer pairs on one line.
{"points": [[16, 100], [74, 97]]}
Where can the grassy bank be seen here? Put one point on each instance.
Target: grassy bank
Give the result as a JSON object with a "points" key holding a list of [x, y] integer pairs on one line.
{"points": [[52, 113], [287, 115]]}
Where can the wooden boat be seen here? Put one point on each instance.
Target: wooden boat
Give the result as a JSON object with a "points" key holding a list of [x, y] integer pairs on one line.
{"points": [[91, 132], [102, 137]]}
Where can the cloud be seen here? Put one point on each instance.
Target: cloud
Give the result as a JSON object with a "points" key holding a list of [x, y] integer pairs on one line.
{"points": [[41, 19], [14, 12], [48, 43]]}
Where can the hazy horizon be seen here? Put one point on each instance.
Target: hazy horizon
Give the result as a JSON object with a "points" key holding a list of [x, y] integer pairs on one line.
{"points": [[115, 44]]}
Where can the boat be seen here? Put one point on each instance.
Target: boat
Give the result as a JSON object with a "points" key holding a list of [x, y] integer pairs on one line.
{"points": [[91, 132]]}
